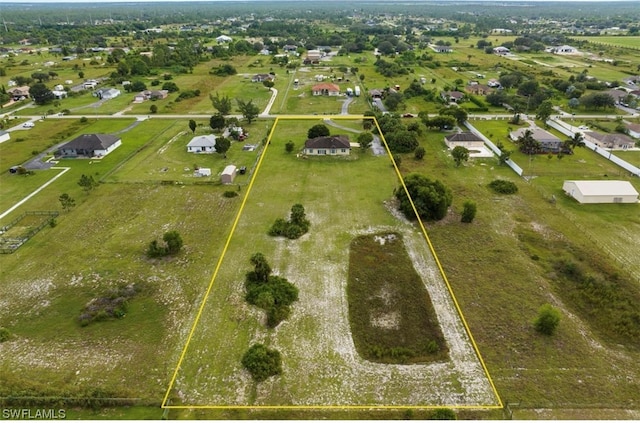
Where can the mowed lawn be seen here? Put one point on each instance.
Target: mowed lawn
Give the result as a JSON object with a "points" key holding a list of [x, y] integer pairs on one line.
{"points": [[343, 198]]}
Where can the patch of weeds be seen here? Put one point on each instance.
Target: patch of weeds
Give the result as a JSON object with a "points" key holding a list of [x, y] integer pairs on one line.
{"points": [[5, 335], [112, 305], [503, 187], [230, 194]]}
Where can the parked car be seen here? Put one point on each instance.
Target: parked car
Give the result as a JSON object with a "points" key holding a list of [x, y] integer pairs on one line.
{"points": [[28, 125], [242, 170]]}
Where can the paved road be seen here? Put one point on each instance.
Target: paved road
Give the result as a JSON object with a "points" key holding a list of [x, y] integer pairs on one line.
{"points": [[345, 106], [376, 145]]}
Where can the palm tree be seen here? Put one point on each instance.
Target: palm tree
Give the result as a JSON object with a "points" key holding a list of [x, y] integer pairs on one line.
{"points": [[528, 144], [576, 141]]}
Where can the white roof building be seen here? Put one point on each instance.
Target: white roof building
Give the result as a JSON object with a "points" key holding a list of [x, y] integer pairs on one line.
{"points": [[594, 192], [202, 144]]}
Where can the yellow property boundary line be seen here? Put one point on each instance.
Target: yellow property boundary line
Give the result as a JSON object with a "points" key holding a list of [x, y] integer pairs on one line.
{"points": [[165, 404]]}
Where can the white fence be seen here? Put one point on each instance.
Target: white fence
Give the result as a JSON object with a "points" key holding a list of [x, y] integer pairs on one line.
{"points": [[569, 131], [517, 169]]}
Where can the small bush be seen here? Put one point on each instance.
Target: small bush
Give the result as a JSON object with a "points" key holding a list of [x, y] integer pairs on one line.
{"points": [[294, 228], [503, 187], [113, 305], [4, 334], [83, 119], [468, 212], [547, 320], [443, 414], [172, 245], [230, 194]]}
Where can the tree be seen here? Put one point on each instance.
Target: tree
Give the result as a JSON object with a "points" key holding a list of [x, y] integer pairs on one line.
{"points": [[153, 109], [576, 141], [170, 86], [216, 122], [431, 198], [573, 103], [249, 110], [401, 141], [192, 125], [458, 113], [318, 130], [262, 362], [222, 146], [268, 84], [545, 110], [87, 183], [419, 153], [289, 146], [365, 139], [66, 202], [460, 154], [222, 104], [41, 94], [547, 320], [40, 76], [469, 209]]}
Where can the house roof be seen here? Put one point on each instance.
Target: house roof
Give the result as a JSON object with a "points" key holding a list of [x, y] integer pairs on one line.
{"points": [[203, 141], [538, 134], [335, 141], [326, 86], [91, 142], [605, 187], [611, 138], [463, 137]]}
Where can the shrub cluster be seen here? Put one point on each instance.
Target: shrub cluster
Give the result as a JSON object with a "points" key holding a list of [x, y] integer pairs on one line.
{"points": [[503, 187], [113, 305], [4, 334], [230, 194], [295, 227], [262, 362], [274, 294], [173, 244]]}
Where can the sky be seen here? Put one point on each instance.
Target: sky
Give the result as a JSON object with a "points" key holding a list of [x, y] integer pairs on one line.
{"points": [[213, 1]]}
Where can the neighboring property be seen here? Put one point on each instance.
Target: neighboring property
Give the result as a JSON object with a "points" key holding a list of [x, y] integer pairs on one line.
{"points": [[375, 93], [59, 94], [593, 192], [90, 145], [634, 129], [549, 143], [4, 136], [326, 88], [223, 39], [613, 141], [335, 145], [468, 140], [19, 93], [107, 93], [442, 49], [452, 96], [564, 50], [228, 174], [313, 57], [501, 50], [202, 144], [261, 77], [150, 95], [234, 132], [478, 89]]}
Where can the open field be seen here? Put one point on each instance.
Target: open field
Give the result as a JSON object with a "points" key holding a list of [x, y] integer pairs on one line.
{"points": [[321, 366]]}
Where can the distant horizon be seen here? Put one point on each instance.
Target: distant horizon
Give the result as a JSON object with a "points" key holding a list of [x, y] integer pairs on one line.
{"points": [[93, 3]]}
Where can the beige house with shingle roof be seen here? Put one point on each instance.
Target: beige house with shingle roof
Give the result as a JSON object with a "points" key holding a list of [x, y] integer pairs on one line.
{"points": [[610, 141], [336, 145]]}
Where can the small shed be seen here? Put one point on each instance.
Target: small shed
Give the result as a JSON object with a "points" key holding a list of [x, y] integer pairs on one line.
{"points": [[594, 192], [228, 174]]}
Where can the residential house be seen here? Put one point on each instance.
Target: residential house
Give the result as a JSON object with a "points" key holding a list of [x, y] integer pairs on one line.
{"points": [[634, 129], [107, 93], [478, 89], [594, 192], [468, 140], [493, 83], [261, 77], [326, 88], [613, 141], [19, 93], [150, 95], [313, 57], [223, 39], [564, 50], [618, 95], [500, 50], [442, 49], [375, 93], [289, 48], [90, 145], [202, 144], [549, 143], [336, 145], [452, 96], [59, 94]]}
